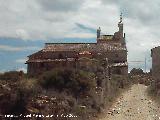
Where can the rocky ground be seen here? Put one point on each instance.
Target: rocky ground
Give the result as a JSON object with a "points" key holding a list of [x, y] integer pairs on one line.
{"points": [[134, 104]]}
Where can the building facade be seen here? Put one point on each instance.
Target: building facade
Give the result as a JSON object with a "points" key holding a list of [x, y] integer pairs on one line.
{"points": [[155, 54], [111, 48]]}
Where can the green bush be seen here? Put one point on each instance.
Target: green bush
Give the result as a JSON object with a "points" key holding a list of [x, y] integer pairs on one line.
{"points": [[12, 75], [68, 79]]}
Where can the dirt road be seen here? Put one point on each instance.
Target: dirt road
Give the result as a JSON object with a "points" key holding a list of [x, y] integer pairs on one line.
{"points": [[134, 105]]}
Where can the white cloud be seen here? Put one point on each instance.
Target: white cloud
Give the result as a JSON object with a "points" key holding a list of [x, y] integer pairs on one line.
{"points": [[61, 5], [46, 19], [14, 49], [82, 35], [39, 19], [22, 34], [21, 60]]}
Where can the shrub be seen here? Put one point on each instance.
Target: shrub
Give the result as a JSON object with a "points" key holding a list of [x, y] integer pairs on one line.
{"points": [[30, 86], [153, 92], [56, 78], [136, 71], [73, 80], [16, 100], [12, 75]]}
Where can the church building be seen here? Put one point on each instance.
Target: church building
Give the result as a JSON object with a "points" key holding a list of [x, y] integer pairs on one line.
{"points": [[108, 47]]}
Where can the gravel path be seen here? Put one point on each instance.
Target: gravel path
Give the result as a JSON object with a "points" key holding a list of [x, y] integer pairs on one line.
{"points": [[134, 105]]}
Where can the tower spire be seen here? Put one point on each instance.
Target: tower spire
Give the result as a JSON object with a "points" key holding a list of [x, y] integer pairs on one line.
{"points": [[98, 32], [120, 24], [121, 17]]}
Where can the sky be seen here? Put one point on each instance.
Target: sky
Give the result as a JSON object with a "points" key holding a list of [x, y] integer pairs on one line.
{"points": [[25, 25]]}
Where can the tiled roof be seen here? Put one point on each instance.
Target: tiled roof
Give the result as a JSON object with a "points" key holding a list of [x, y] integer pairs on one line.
{"points": [[80, 47], [110, 47], [50, 60]]}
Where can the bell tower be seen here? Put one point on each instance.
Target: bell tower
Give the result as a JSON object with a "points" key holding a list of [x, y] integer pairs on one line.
{"points": [[121, 35]]}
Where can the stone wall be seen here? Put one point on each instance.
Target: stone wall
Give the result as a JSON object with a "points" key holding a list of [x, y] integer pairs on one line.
{"points": [[155, 53], [45, 61], [37, 68]]}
